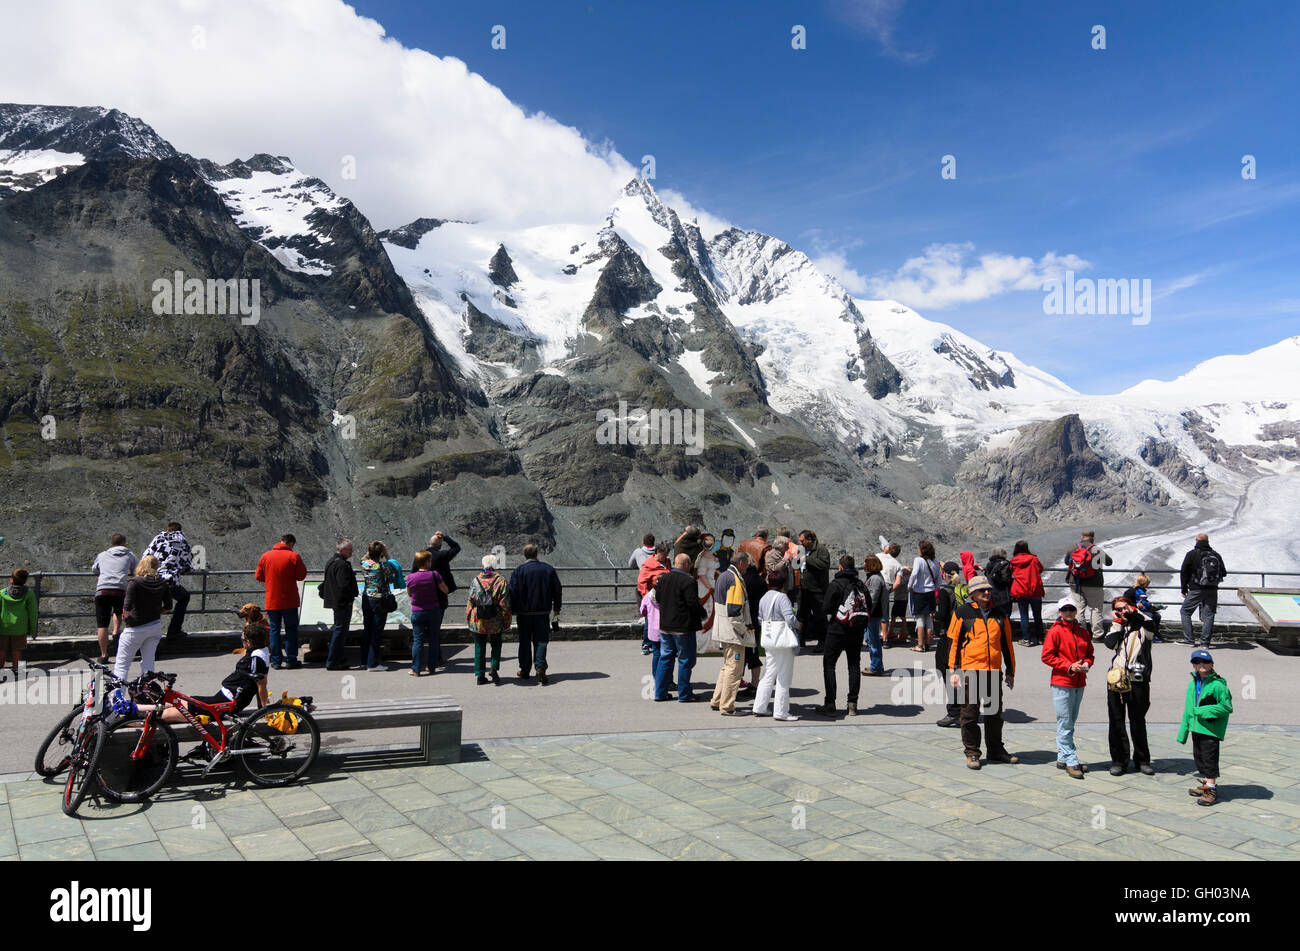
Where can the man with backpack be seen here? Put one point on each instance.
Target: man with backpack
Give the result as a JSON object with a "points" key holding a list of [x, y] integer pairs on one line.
{"points": [[1084, 568], [733, 628], [998, 571], [1203, 570], [846, 606]]}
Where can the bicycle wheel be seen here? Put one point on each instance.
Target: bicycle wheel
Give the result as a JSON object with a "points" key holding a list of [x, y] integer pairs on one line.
{"points": [[280, 757], [132, 768], [81, 766], [53, 756]]}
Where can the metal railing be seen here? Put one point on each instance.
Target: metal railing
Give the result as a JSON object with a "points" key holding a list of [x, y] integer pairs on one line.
{"points": [[217, 592], [610, 591]]}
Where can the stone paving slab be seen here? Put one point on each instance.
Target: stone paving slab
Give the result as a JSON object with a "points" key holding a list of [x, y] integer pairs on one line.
{"points": [[832, 793]]}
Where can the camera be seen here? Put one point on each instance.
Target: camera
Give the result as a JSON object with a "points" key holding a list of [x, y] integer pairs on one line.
{"points": [[555, 624]]}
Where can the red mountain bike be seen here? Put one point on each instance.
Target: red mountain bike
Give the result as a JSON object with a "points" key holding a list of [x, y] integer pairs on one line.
{"points": [[273, 746]]}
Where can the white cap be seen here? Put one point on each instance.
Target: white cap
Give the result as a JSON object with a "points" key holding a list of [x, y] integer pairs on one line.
{"points": [[1066, 603]]}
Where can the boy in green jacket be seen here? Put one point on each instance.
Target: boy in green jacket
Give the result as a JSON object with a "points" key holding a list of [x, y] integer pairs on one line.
{"points": [[1205, 716]]}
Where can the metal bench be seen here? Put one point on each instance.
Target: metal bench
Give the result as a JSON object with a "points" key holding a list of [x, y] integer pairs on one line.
{"points": [[439, 720]]}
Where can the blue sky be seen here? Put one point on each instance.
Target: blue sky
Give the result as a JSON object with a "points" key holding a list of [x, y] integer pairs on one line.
{"points": [[1128, 158]]}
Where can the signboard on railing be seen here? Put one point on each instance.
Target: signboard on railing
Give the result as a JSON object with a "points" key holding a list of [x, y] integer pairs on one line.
{"points": [[1273, 607], [315, 612]]}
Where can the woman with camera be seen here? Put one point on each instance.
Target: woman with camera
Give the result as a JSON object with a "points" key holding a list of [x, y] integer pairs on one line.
{"points": [[1128, 684]]}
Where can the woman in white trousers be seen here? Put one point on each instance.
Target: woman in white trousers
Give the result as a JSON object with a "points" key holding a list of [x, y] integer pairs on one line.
{"points": [[779, 642], [147, 600]]}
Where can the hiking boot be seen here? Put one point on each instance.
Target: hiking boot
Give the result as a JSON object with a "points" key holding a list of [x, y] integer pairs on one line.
{"points": [[827, 709], [496, 678], [972, 761], [853, 709], [1075, 772], [1209, 797], [1198, 791], [1146, 769], [1004, 757], [1061, 765], [481, 680], [948, 722], [541, 678], [1117, 769]]}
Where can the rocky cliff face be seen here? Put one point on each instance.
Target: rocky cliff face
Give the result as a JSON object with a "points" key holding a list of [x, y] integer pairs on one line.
{"points": [[1047, 471]]}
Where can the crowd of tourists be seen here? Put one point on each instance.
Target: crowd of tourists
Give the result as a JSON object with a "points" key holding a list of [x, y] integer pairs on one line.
{"points": [[778, 594], [760, 602]]}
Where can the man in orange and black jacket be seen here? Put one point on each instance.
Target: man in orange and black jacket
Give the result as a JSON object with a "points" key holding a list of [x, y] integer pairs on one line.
{"points": [[980, 642]]}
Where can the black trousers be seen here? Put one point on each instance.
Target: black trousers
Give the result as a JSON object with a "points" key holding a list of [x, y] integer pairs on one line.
{"points": [[1135, 704], [837, 641], [811, 618], [180, 600], [941, 668], [1205, 750], [981, 692]]}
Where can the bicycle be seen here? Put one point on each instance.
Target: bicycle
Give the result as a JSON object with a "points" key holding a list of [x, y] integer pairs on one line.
{"points": [[84, 741], [53, 755], [274, 746]]}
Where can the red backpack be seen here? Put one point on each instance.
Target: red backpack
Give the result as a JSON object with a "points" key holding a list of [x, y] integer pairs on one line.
{"points": [[1079, 564]]}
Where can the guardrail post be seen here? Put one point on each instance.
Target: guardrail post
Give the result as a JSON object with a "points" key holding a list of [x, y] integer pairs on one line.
{"points": [[36, 589], [203, 594]]}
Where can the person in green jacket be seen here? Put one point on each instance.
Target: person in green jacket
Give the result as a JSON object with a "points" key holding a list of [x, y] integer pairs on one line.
{"points": [[1205, 716], [17, 619]]}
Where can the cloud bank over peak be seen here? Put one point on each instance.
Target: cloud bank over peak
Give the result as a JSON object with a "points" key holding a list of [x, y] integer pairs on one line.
{"points": [[314, 80]]}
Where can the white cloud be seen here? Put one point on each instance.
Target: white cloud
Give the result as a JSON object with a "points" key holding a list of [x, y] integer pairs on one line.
{"points": [[313, 80], [834, 264], [946, 275], [879, 20]]}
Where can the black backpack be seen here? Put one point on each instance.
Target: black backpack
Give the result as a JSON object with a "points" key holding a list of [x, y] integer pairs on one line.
{"points": [[485, 606], [1211, 569], [999, 574]]}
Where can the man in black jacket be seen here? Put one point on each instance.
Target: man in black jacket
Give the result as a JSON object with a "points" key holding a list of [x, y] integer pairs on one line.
{"points": [[680, 617], [535, 591], [843, 633], [816, 576], [442, 557], [339, 591], [945, 605], [1203, 569]]}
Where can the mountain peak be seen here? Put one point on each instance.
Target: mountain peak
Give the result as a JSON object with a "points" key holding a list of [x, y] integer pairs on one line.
{"points": [[92, 131]]}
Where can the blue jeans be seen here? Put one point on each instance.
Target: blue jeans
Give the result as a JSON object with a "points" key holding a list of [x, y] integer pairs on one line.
{"points": [[534, 635], [289, 619], [371, 649], [339, 635], [680, 647], [1066, 700], [875, 649], [426, 627], [1036, 604], [655, 651]]}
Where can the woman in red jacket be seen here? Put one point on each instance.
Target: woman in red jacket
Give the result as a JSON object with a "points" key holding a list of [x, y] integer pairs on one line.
{"points": [[1068, 651], [1027, 590]]}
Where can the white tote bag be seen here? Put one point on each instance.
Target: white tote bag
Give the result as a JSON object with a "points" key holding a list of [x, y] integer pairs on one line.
{"points": [[777, 634]]}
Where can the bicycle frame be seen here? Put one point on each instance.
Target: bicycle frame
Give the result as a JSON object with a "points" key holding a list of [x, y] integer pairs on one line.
{"points": [[182, 702]]}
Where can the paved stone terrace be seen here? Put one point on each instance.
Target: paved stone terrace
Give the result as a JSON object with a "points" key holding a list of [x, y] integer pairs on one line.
{"points": [[832, 792]]}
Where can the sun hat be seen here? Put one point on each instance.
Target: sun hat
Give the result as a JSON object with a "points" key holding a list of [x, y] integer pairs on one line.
{"points": [[1066, 603], [979, 583]]}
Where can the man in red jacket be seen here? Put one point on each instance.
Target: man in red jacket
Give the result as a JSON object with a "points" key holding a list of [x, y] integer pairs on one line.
{"points": [[1068, 651], [280, 569]]}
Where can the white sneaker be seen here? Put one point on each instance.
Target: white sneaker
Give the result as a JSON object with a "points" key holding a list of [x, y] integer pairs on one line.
{"points": [[377, 667], [785, 716]]}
